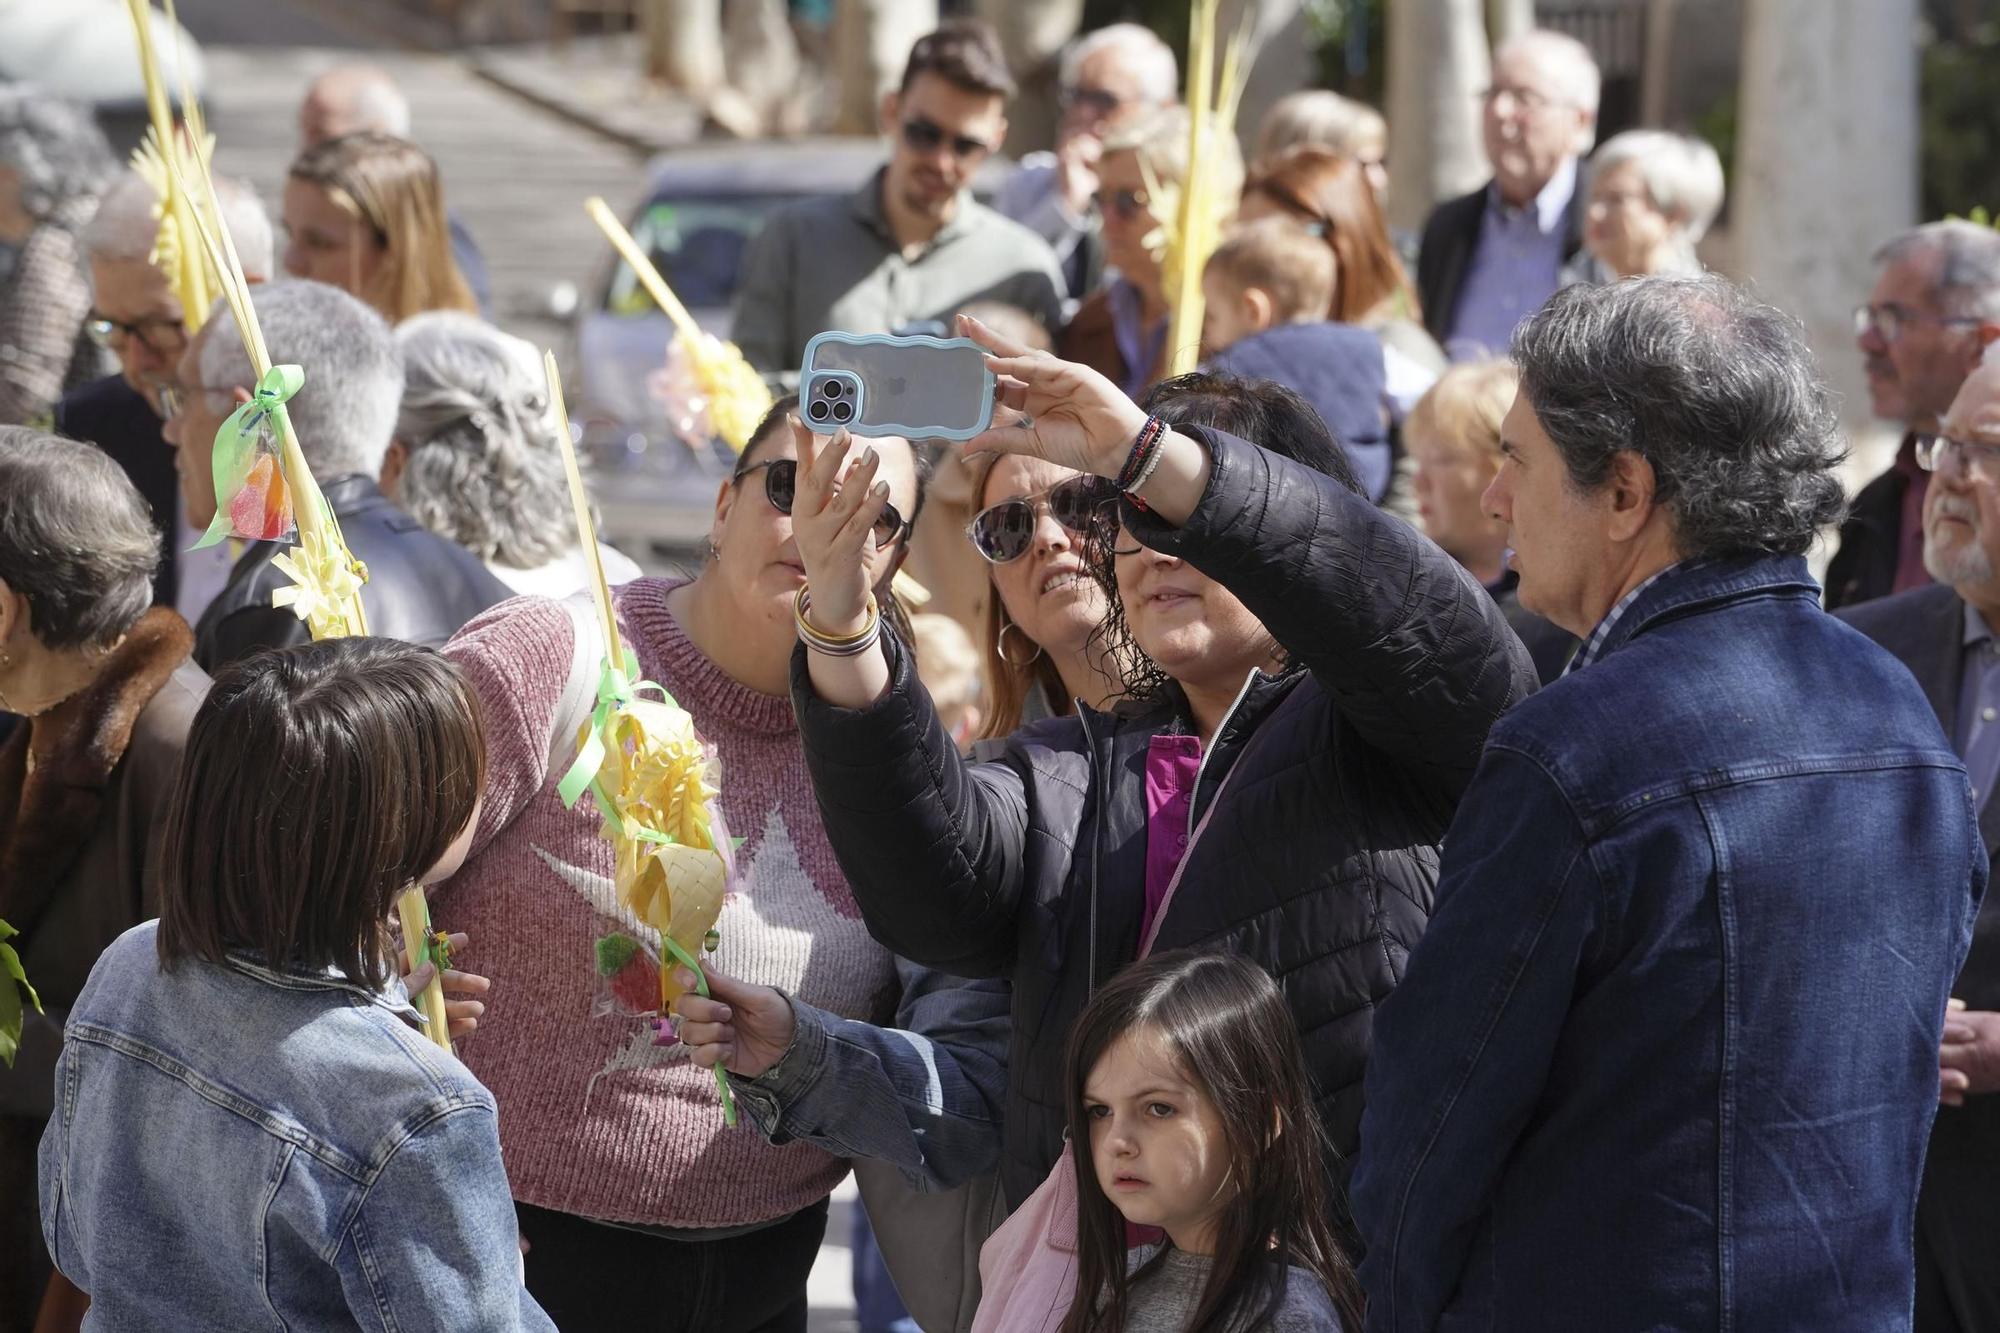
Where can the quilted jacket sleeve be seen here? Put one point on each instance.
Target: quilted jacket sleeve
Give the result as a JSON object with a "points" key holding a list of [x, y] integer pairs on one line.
{"points": [[933, 847], [1413, 651]]}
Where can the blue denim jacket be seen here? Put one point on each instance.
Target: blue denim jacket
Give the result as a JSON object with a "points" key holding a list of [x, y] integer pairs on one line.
{"points": [[235, 1147], [924, 1096], [1666, 1056]]}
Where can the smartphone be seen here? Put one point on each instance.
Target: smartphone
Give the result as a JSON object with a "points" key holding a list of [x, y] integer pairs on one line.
{"points": [[915, 386]]}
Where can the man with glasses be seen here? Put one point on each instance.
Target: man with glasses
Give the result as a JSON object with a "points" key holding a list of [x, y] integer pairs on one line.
{"points": [[1110, 78], [911, 247], [136, 315], [1489, 259], [1935, 305], [1944, 634]]}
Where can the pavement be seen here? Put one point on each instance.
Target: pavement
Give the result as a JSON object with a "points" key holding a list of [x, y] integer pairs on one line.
{"points": [[522, 135]]}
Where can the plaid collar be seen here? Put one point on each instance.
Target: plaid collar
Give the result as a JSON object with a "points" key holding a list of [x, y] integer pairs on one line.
{"points": [[1595, 643]]}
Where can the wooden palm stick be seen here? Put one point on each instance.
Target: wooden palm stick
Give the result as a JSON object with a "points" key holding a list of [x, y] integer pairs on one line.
{"points": [[586, 531], [413, 909]]}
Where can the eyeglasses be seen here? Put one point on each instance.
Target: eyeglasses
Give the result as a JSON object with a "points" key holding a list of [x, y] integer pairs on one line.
{"points": [[111, 333], [1083, 505], [1100, 102], [781, 487], [927, 136], [1123, 204], [1983, 459], [1527, 99], [1890, 322]]}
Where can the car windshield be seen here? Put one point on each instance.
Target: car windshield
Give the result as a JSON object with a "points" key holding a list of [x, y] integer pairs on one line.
{"points": [[698, 246]]}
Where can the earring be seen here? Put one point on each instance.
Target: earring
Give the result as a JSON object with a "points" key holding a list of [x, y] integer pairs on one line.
{"points": [[714, 552], [1000, 647]]}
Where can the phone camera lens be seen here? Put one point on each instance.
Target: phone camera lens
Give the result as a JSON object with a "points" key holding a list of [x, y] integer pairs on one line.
{"points": [[816, 410], [834, 388], [843, 411]]}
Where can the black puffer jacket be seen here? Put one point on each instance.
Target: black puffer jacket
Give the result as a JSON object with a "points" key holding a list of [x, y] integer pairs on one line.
{"points": [[1320, 857]]}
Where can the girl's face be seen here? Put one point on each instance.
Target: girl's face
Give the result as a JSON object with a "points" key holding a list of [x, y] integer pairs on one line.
{"points": [[326, 243], [1047, 592], [1192, 626], [1158, 1147]]}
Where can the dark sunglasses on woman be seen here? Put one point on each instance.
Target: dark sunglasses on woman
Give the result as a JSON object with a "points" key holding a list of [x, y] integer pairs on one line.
{"points": [[1085, 506], [1122, 204], [781, 487]]}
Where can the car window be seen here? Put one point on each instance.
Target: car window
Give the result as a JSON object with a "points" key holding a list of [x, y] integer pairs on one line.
{"points": [[698, 246]]}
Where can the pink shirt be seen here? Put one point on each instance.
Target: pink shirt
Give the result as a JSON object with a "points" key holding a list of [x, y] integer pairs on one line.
{"points": [[1173, 764]]}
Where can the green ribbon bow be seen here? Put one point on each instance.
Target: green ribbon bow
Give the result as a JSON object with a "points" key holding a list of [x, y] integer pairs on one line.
{"points": [[238, 438], [701, 988], [615, 690]]}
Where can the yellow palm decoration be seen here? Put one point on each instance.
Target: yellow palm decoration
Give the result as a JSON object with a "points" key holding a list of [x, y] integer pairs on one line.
{"points": [[1192, 216], [177, 251]]}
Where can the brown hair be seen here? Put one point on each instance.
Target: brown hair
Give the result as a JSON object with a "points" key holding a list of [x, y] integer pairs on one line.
{"points": [[318, 783], [1277, 256], [1233, 1038], [392, 187], [1331, 195], [965, 53], [1010, 679]]}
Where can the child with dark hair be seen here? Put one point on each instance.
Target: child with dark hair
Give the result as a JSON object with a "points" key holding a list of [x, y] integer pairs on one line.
{"points": [[1190, 1111], [250, 1127]]}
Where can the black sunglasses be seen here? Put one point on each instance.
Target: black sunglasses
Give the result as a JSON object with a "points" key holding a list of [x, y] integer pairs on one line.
{"points": [[927, 137], [781, 487], [1085, 506], [1123, 204]]}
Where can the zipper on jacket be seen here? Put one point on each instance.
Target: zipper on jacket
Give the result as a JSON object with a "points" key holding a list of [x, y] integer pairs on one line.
{"points": [[1209, 749], [1096, 842]]}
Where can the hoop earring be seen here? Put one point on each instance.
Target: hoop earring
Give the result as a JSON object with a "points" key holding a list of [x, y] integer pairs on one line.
{"points": [[1000, 647], [713, 551]]}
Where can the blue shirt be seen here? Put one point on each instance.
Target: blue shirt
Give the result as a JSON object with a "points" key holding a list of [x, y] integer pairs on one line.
{"points": [[1977, 732], [1515, 267]]}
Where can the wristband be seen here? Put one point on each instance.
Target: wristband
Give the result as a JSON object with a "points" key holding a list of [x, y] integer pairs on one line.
{"points": [[835, 645], [1144, 448]]}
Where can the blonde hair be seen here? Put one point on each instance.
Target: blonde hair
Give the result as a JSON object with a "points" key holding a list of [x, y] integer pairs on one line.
{"points": [[391, 186], [1323, 119], [1161, 141], [1284, 260], [1466, 405]]}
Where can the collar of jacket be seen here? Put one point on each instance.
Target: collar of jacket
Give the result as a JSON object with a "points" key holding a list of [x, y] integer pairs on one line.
{"points": [[297, 979], [1705, 585]]}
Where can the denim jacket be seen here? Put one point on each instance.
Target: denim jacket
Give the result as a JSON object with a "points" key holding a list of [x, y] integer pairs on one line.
{"points": [[924, 1096], [1667, 1054], [238, 1147]]}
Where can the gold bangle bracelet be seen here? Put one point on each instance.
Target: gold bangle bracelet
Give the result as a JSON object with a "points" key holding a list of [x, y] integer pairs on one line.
{"points": [[813, 633]]}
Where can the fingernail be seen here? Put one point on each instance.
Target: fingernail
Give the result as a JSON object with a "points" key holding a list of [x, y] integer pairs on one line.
{"points": [[722, 1014], [684, 978], [478, 1009], [881, 488], [868, 454]]}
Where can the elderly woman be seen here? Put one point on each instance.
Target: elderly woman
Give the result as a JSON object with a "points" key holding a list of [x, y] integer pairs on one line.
{"points": [[109, 694], [476, 457], [54, 166], [1652, 197], [1322, 118], [1121, 331]]}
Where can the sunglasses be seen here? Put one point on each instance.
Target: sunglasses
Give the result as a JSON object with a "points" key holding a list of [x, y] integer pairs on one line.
{"points": [[1084, 506], [1123, 204], [162, 336], [1100, 102], [781, 487], [927, 137]]}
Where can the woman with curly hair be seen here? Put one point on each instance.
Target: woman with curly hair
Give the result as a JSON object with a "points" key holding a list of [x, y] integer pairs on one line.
{"points": [[54, 167]]}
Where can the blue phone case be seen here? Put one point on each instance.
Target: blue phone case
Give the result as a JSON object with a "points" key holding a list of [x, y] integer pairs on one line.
{"points": [[914, 386]]}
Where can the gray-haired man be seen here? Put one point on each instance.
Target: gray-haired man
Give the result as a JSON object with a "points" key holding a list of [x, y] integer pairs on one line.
{"points": [[420, 587]]}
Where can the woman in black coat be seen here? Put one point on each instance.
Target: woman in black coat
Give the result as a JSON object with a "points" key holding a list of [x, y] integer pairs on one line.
{"points": [[1314, 685]]}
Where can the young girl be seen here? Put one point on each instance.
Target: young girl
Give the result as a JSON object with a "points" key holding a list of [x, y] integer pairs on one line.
{"points": [[1189, 1112], [250, 1129]]}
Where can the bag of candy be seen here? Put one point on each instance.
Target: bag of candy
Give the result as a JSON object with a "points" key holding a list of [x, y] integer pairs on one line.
{"points": [[252, 501]]}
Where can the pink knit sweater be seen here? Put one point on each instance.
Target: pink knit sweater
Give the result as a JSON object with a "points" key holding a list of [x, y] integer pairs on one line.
{"points": [[595, 1120]]}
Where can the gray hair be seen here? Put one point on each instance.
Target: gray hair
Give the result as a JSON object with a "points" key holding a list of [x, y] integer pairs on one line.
{"points": [[1323, 117], [76, 539], [1566, 60], [1151, 59], [1967, 282], [1714, 389], [485, 466], [127, 222], [345, 414], [1683, 174], [61, 155]]}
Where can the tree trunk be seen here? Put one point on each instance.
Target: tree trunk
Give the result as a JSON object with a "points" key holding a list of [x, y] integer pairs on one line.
{"points": [[1510, 18], [683, 42], [1033, 33], [871, 44], [1438, 63], [1826, 162], [763, 92]]}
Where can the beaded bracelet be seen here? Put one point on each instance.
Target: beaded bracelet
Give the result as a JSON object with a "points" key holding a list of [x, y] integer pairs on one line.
{"points": [[835, 645], [1145, 449]]}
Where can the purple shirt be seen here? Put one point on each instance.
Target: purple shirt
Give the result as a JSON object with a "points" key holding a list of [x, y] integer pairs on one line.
{"points": [[1173, 763], [1138, 346], [1978, 731], [1515, 267]]}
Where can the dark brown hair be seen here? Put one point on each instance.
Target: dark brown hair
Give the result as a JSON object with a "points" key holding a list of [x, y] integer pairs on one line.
{"points": [[1331, 195], [318, 783], [1232, 1036], [965, 53]]}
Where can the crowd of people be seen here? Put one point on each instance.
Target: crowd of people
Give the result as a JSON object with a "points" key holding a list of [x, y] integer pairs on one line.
{"points": [[1382, 832]]}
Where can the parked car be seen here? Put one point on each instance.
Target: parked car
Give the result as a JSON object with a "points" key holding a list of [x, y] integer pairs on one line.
{"points": [[701, 207]]}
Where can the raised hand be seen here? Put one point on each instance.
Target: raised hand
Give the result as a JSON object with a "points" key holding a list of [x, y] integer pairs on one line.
{"points": [[833, 520], [1076, 417]]}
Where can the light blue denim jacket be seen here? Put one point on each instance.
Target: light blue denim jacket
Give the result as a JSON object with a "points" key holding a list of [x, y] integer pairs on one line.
{"points": [[924, 1096], [235, 1147]]}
